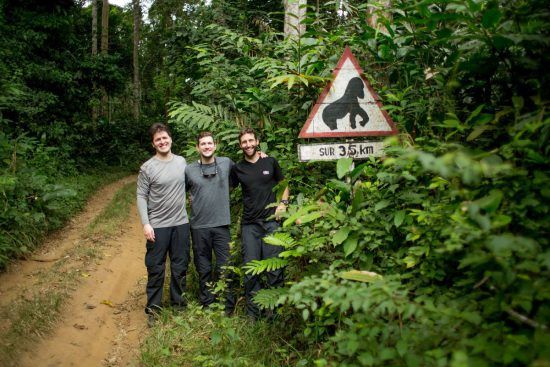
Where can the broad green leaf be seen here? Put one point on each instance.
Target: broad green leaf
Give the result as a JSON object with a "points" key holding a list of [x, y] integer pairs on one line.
{"points": [[381, 205], [503, 245], [299, 214], [309, 217], [358, 199], [410, 261], [341, 235], [491, 202], [360, 276], [518, 102], [343, 166], [350, 245], [491, 17], [476, 112], [401, 347], [500, 220], [398, 218], [366, 359], [477, 132]]}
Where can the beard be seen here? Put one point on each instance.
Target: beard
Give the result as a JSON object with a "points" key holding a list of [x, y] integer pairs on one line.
{"points": [[254, 151]]}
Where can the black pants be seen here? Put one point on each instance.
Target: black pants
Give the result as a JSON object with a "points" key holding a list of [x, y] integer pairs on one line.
{"points": [[174, 242], [206, 241], [254, 248]]}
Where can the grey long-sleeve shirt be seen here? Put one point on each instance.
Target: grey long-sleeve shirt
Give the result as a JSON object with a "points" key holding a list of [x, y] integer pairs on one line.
{"points": [[161, 192]]}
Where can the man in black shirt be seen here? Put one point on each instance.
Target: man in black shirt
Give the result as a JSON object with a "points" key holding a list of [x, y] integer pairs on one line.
{"points": [[257, 177]]}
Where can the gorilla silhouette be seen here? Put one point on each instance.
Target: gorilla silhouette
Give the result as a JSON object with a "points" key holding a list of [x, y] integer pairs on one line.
{"points": [[348, 103]]}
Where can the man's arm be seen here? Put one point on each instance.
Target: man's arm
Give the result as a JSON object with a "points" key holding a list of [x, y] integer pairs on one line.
{"points": [[142, 195], [281, 208]]}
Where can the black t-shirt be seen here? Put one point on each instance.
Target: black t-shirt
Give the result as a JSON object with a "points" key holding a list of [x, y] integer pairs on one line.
{"points": [[257, 181]]}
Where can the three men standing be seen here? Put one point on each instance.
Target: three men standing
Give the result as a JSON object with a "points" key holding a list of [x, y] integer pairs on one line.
{"points": [[161, 206], [161, 203], [257, 178]]}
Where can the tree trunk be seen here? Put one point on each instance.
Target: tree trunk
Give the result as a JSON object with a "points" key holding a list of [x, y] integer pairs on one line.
{"points": [[104, 51], [136, 87], [137, 21], [95, 110], [105, 27], [94, 27], [295, 13], [375, 14]]}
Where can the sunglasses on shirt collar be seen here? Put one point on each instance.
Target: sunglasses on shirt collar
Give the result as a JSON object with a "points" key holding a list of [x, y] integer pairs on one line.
{"points": [[207, 175]]}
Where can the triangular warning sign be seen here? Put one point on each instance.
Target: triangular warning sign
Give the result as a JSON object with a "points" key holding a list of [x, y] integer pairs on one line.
{"points": [[348, 106]]}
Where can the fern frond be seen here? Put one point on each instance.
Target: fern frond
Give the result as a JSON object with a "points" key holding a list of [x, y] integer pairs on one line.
{"points": [[270, 298], [280, 239], [256, 267]]}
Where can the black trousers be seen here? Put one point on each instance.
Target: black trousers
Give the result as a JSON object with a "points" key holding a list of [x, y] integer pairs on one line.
{"points": [[174, 242], [254, 248], [206, 241]]}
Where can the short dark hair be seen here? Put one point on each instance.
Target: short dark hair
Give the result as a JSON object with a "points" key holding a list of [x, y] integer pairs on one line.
{"points": [[247, 130], [157, 128], [204, 134]]}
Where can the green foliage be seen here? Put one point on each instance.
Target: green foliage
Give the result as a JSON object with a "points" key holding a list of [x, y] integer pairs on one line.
{"points": [[256, 267], [201, 337], [435, 255], [34, 197]]}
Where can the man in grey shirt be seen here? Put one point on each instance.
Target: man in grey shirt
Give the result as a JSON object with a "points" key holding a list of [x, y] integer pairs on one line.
{"points": [[208, 185], [161, 206]]}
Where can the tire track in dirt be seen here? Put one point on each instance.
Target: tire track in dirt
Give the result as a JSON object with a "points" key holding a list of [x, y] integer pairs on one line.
{"points": [[103, 322]]}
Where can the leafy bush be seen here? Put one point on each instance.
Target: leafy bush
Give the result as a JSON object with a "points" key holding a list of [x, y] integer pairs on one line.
{"points": [[437, 254]]}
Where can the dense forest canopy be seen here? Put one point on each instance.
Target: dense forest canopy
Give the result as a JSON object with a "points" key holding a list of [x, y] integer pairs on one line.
{"points": [[437, 254]]}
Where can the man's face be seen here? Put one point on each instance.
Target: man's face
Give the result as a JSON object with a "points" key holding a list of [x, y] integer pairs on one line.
{"points": [[162, 142], [206, 147], [249, 144]]}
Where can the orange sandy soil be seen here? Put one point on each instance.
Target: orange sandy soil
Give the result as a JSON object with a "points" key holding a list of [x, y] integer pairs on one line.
{"points": [[103, 323]]}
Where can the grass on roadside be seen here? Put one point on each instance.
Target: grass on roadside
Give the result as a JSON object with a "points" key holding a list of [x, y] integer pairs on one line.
{"points": [[107, 223], [36, 313], [207, 338]]}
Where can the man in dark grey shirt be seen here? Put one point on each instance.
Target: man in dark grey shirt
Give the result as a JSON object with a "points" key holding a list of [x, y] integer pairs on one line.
{"points": [[161, 206], [208, 187]]}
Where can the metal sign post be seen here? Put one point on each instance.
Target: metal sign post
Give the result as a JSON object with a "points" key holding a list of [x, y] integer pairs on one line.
{"points": [[348, 107]]}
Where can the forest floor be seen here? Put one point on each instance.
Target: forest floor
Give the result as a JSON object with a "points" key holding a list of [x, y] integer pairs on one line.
{"points": [[101, 320]]}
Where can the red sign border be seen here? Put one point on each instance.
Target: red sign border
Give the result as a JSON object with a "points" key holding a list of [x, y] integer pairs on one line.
{"points": [[345, 56]]}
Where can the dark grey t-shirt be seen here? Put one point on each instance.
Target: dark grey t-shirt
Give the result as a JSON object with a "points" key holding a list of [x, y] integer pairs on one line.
{"points": [[209, 195]]}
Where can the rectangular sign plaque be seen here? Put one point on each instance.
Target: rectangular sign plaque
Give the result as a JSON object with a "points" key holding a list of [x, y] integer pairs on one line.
{"points": [[334, 151]]}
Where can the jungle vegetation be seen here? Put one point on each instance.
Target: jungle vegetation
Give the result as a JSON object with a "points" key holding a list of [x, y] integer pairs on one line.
{"points": [[437, 254]]}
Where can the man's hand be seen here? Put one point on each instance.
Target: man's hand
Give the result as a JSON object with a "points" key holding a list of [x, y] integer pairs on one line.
{"points": [[262, 154], [281, 208], [149, 233]]}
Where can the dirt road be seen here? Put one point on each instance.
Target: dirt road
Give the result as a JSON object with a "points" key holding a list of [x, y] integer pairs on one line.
{"points": [[103, 322]]}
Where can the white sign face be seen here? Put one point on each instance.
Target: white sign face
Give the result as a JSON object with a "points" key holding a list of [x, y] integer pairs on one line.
{"points": [[348, 106], [334, 151]]}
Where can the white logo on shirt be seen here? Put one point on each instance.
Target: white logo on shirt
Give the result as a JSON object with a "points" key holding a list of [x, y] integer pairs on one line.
{"points": [[265, 172]]}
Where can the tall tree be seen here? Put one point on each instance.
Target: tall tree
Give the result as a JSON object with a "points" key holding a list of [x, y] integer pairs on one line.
{"points": [[295, 13], [94, 27], [104, 52], [377, 13], [94, 53], [136, 86]]}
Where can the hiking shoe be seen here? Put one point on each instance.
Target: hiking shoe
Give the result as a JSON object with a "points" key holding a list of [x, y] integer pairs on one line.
{"points": [[151, 319]]}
